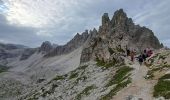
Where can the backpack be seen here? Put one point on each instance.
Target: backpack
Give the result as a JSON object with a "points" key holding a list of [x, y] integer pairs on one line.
{"points": [[140, 59]]}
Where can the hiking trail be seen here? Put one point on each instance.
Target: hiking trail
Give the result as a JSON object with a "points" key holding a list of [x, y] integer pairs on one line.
{"points": [[140, 88]]}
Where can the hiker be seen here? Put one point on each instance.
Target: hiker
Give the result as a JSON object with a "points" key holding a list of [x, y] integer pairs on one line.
{"points": [[144, 55], [128, 52], [149, 53], [140, 59], [132, 54]]}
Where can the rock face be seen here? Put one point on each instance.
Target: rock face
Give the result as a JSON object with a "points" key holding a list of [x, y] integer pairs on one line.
{"points": [[73, 44], [45, 47], [114, 35]]}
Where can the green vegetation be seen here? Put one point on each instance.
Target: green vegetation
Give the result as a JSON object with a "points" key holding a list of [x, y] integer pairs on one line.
{"points": [[150, 73], [121, 74], [85, 92], [33, 97], [117, 88], [3, 68], [119, 49], [167, 76], [162, 88], [59, 78], [73, 75], [162, 57], [50, 91], [166, 66], [82, 67], [100, 62], [105, 64], [120, 80], [111, 51], [83, 78]]}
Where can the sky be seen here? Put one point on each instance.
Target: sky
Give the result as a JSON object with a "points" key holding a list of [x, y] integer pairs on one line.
{"points": [[30, 22]]}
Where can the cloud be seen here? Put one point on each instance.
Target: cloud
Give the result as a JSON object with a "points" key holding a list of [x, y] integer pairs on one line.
{"points": [[58, 20], [156, 17]]}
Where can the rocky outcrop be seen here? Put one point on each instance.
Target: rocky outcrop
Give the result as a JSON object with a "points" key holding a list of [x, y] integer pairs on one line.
{"points": [[114, 36], [73, 44], [45, 47]]}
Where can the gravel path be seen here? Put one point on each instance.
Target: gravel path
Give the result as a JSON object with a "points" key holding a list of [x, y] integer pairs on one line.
{"points": [[140, 88]]}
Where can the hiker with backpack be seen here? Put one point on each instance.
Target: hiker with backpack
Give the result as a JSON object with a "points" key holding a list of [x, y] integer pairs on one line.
{"points": [[132, 55], [144, 56], [127, 52], [140, 59]]}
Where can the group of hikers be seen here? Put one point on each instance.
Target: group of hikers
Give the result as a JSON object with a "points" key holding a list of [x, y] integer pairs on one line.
{"points": [[142, 57]]}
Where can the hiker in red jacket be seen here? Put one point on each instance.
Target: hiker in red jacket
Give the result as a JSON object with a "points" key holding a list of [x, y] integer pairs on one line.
{"points": [[132, 55]]}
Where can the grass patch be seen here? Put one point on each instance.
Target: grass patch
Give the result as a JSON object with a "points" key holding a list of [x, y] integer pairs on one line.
{"points": [[73, 75], [82, 67], [100, 62], [85, 92], [162, 57], [111, 51], [166, 76], [50, 91], [120, 49], [162, 89], [166, 66], [149, 75], [59, 78], [158, 68], [105, 64], [83, 78], [117, 88], [3, 68], [121, 74]]}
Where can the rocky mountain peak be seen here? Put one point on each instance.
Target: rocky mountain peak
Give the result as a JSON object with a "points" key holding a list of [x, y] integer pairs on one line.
{"points": [[114, 36], [105, 19], [45, 47], [119, 17]]}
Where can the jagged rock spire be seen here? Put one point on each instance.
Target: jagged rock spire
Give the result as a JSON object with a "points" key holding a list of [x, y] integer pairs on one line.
{"points": [[45, 47], [105, 19], [119, 17]]}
